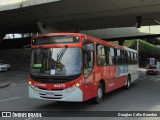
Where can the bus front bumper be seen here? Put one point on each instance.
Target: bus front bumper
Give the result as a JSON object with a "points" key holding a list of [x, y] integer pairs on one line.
{"points": [[73, 94]]}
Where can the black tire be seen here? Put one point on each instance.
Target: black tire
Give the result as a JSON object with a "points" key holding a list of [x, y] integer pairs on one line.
{"points": [[128, 85], [99, 96]]}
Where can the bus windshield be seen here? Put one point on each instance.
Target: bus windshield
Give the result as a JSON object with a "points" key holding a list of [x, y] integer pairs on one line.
{"points": [[152, 62], [65, 61]]}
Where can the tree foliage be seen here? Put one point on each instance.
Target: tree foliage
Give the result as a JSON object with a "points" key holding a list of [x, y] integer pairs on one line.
{"points": [[144, 47]]}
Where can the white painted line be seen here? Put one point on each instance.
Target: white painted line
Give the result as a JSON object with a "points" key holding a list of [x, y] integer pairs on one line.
{"points": [[4, 100]]}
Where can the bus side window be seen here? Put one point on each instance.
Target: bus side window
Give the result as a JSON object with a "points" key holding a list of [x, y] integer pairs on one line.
{"points": [[88, 48], [101, 55], [118, 57], [111, 56]]}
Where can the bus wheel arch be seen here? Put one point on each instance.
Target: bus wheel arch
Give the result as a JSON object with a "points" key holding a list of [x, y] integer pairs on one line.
{"points": [[103, 85], [100, 92]]}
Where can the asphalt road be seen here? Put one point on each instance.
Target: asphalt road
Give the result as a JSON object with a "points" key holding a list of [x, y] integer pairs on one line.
{"points": [[144, 95]]}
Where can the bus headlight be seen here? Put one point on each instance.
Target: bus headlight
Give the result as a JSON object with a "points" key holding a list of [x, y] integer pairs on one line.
{"points": [[32, 86], [74, 87], [29, 82], [78, 83]]}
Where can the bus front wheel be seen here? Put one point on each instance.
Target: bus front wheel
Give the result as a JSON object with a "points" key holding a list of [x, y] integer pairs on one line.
{"points": [[99, 96]]}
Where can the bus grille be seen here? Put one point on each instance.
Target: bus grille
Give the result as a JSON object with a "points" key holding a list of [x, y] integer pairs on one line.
{"points": [[49, 80], [51, 89], [45, 79], [56, 96]]}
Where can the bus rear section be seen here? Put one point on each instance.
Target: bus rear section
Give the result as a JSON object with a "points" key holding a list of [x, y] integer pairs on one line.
{"points": [[76, 67], [151, 62]]}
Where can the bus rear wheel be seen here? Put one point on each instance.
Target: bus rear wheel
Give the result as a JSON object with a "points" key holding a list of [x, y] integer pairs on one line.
{"points": [[99, 96]]}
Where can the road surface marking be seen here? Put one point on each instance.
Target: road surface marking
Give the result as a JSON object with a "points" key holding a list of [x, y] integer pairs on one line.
{"points": [[4, 100]]}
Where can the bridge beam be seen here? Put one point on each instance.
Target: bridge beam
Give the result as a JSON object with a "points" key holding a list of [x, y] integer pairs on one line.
{"points": [[50, 28], [125, 32]]}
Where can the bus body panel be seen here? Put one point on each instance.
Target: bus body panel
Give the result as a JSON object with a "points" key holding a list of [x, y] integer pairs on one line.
{"points": [[134, 72]]}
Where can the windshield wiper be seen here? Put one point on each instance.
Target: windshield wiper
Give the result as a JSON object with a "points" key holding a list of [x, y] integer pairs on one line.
{"points": [[60, 55]]}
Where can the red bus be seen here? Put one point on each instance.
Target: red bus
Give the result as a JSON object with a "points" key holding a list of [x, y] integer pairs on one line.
{"points": [[77, 67], [151, 62]]}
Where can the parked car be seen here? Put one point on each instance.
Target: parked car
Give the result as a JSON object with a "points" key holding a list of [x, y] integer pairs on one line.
{"points": [[3, 67], [6, 64], [152, 70]]}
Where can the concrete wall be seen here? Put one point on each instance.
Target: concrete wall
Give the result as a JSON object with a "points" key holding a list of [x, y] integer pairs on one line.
{"points": [[19, 59]]}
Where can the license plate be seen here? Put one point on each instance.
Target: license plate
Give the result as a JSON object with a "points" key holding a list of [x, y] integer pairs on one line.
{"points": [[49, 94]]}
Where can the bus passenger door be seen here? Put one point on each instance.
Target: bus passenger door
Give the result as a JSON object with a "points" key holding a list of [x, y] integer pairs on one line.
{"points": [[89, 74], [111, 63]]}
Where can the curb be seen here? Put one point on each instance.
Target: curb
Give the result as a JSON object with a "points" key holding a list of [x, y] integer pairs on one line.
{"points": [[5, 84]]}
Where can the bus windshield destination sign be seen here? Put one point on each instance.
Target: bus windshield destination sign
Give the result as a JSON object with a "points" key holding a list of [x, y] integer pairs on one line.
{"points": [[55, 39]]}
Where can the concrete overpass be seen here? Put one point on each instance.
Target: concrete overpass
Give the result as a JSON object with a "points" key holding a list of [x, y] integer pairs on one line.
{"points": [[93, 17], [107, 19]]}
